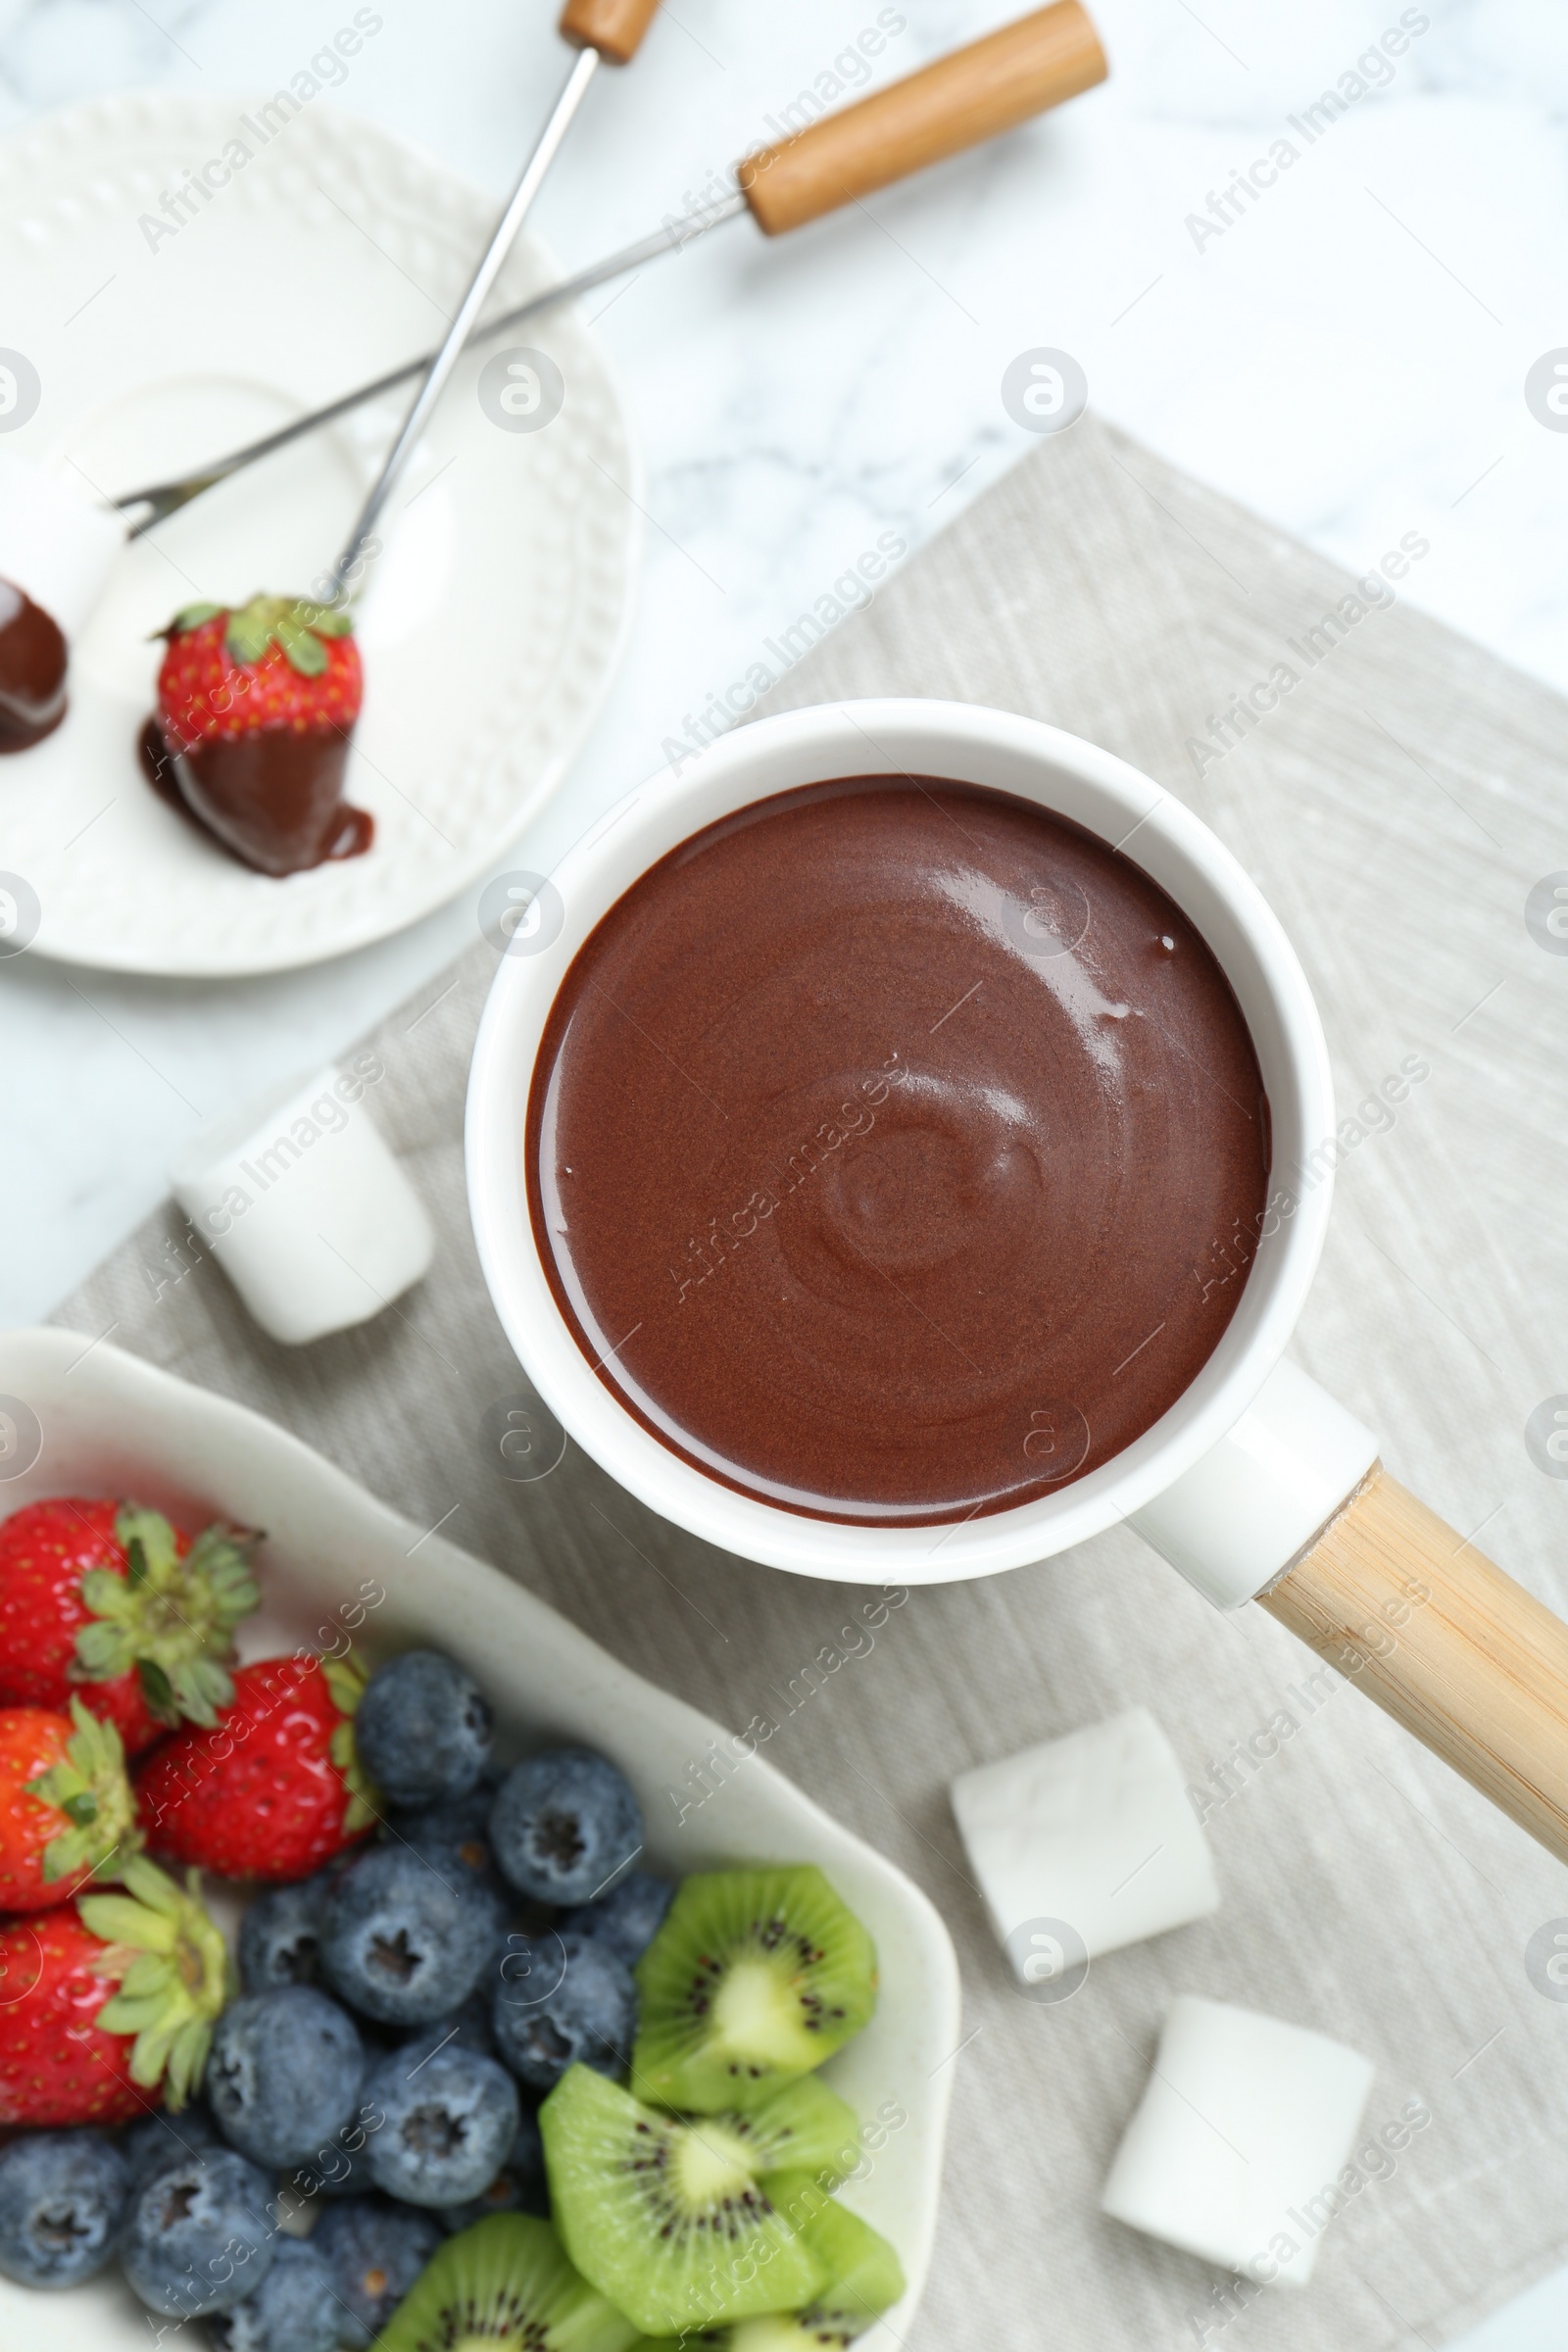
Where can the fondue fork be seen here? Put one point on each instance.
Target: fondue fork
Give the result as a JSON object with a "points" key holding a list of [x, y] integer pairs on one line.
{"points": [[598, 29], [958, 102]]}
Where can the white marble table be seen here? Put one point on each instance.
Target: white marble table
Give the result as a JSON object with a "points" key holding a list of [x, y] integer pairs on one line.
{"points": [[1345, 353]]}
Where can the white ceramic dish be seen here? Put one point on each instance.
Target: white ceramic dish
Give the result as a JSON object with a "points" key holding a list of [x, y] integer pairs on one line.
{"points": [[95, 1421], [497, 619], [976, 746]]}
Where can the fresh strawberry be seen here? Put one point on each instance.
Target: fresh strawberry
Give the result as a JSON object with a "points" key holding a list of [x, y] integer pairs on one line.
{"points": [[255, 709], [276, 1790], [101, 2004], [66, 1809], [108, 1596]]}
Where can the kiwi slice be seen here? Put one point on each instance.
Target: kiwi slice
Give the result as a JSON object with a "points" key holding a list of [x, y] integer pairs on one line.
{"points": [[674, 2217], [506, 2283], [756, 1976], [784, 2331], [864, 2279], [803, 2127]]}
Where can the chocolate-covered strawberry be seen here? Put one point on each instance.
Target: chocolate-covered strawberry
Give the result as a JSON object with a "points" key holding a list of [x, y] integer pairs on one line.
{"points": [[32, 672], [276, 1788], [256, 707], [112, 1602], [102, 2004]]}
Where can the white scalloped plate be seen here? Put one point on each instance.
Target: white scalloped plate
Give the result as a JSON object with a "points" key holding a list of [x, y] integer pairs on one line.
{"points": [[94, 1421], [497, 621]]}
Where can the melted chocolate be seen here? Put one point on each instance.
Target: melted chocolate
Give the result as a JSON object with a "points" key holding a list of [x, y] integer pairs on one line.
{"points": [[32, 672], [896, 1150], [158, 766], [274, 798]]}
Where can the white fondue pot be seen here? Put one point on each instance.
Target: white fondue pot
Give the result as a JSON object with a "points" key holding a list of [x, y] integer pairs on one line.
{"points": [[1256, 1484]]}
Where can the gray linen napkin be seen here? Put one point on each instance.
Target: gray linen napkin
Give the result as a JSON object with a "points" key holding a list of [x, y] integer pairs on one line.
{"points": [[1396, 803]]}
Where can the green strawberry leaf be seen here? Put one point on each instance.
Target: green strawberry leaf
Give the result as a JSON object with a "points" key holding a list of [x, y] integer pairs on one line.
{"points": [[173, 1972], [158, 1692], [89, 1787], [250, 628], [303, 650], [190, 617], [100, 1646], [202, 1691], [346, 1681], [296, 626], [168, 1620]]}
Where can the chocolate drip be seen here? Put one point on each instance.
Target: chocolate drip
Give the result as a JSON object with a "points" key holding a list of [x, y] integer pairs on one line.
{"points": [[274, 799]]}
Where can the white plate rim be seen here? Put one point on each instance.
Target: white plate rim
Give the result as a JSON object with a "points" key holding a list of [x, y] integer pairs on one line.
{"points": [[88, 129]]}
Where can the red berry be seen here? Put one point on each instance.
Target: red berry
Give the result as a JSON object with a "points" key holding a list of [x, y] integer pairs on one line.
{"points": [[113, 1602], [45, 1550], [75, 2048], [275, 1790], [66, 1809], [57, 2064]]}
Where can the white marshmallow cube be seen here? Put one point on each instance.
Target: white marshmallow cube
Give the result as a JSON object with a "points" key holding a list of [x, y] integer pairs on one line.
{"points": [[1236, 2150], [1095, 1831], [55, 545], [305, 1208]]}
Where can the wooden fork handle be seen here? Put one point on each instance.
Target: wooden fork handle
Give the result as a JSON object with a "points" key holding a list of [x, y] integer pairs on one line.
{"points": [[614, 28], [1466, 1659], [959, 101]]}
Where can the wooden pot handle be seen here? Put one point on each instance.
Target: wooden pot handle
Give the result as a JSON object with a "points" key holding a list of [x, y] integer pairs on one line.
{"points": [[614, 28], [971, 96], [1466, 1659]]}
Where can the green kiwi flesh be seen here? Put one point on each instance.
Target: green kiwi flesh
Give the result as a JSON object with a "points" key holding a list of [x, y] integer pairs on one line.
{"points": [[803, 2127], [755, 1977], [674, 2218], [504, 2282], [785, 2331], [864, 2279]]}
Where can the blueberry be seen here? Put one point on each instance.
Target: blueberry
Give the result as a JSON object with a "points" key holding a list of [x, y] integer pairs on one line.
{"points": [[450, 2120], [403, 1939], [283, 2076], [422, 1730], [453, 1822], [280, 1934], [464, 1865], [374, 2250], [198, 2238], [340, 2165], [520, 2185], [62, 2194], [340, 2168], [563, 1824], [469, 2026], [160, 2138], [563, 2000], [295, 2309], [629, 1919]]}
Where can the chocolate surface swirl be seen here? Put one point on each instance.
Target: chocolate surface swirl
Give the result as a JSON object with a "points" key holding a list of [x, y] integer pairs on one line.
{"points": [[896, 1150]]}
